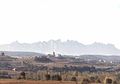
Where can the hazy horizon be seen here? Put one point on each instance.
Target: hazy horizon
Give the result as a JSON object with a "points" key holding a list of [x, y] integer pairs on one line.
{"points": [[70, 47], [86, 21], [17, 41]]}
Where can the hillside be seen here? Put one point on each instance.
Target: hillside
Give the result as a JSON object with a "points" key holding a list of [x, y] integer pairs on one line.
{"points": [[20, 53]]}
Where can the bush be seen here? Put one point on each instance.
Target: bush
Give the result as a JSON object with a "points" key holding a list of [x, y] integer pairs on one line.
{"points": [[73, 79], [47, 76]]}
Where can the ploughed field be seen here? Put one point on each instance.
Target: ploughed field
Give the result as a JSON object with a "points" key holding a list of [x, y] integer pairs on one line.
{"points": [[7, 81]]}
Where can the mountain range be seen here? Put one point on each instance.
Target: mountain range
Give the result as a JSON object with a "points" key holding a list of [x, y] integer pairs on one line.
{"points": [[69, 47]]}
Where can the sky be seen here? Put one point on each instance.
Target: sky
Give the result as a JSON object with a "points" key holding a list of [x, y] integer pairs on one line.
{"points": [[86, 21]]}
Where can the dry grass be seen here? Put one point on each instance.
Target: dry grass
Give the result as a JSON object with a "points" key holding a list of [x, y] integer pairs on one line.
{"points": [[34, 82]]}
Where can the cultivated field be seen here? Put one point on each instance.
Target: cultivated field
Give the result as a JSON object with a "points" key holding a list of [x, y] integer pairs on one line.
{"points": [[34, 82]]}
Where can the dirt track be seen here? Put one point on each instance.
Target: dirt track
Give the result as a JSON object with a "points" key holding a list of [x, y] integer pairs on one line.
{"points": [[33, 82]]}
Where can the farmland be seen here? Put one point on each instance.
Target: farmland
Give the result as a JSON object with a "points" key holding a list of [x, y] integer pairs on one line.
{"points": [[49, 69], [33, 82]]}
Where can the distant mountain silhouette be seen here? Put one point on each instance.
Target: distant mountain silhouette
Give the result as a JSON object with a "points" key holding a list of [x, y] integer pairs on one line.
{"points": [[67, 47]]}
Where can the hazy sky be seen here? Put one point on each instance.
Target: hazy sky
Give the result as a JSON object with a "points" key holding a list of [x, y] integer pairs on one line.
{"points": [[86, 21]]}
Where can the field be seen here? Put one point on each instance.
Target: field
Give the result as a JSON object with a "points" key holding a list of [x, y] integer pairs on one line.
{"points": [[62, 70], [33, 82]]}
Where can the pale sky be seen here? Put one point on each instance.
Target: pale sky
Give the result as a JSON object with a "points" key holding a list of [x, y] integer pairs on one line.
{"points": [[86, 21]]}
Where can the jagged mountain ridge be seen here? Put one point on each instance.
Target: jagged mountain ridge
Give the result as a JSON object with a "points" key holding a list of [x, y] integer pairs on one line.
{"points": [[66, 47]]}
